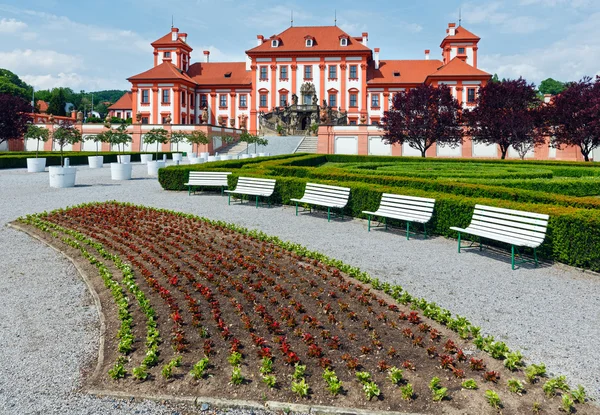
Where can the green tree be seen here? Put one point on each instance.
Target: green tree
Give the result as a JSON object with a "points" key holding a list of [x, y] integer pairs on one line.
{"points": [[58, 100], [158, 136], [115, 136], [551, 86], [197, 138], [65, 134], [495, 78], [11, 84], [177, 138], [13, 117], [35, 132]]}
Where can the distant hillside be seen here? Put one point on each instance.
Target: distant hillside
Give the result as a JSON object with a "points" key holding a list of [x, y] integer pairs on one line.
{"points": [[111, 95]]}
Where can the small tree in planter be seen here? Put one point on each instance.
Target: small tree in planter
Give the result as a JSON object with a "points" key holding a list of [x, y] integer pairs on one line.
{"points": [[65, 134], [117, 137], [248, 138], [35, 132], [177, 138], [197, 138], [158, 136]]}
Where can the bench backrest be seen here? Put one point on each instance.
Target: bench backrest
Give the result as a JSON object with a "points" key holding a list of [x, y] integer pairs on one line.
{"points": [[266, 186], [417, 207], [326, 193], [516, 223], [216, 177]]}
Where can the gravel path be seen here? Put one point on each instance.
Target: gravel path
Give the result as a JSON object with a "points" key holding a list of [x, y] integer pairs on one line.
{"points": [[49, 326]]}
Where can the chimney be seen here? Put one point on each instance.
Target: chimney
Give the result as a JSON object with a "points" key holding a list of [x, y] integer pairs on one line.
{"points": [[174, 33], [451, 29], [183, 36], [427, 54], [365, 39], [206, 55], [376, 57], [547, 98], [260, 39]]}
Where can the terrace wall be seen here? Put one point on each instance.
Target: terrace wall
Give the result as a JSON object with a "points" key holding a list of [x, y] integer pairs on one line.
{"points": [[366, 140]]}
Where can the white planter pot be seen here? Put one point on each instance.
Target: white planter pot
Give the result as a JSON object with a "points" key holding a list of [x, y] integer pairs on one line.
{"points": [[120, 171], [262, 154], [253, 155], [192, 155], [96, 162], [124, 159], [204, 155], [212, 158], [36, 165], [62, 176], [196, 160], [153, 167], [177, 157], [145, 158], [245, 156]]}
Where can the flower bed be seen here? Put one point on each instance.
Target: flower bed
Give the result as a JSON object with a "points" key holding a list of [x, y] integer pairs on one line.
{"points": [[206, 309]]}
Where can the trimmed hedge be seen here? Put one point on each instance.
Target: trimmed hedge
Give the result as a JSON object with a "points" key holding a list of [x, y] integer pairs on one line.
{"points": [[573, 232], [19, 160]]}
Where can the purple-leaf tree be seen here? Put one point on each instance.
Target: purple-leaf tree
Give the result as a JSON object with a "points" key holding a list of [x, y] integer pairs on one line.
{"points": [[423, 116], [13, 117], [507, 114], [575, 116]]}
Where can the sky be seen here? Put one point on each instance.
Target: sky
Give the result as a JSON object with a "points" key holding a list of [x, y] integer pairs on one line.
{"points": [[96, 45]]}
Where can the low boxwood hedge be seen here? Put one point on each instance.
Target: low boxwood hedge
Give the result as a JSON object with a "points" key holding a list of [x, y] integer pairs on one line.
{"points": [[19, 160]]}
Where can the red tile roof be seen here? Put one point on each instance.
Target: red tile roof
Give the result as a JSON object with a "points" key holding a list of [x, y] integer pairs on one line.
{"points": [[213, 73], [123, 103], [458, 67], [163, 72], [168, 40], [461, 34], [43, 106], [326, 38], [411, 71]]}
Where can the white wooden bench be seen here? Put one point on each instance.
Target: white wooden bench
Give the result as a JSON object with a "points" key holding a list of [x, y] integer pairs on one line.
{"points": [[406, 208], [514, 227], [207, 179], [324, 195], [253, 187]]}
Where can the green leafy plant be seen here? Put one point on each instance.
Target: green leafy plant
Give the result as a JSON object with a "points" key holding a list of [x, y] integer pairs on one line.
{"points": [[371, 389], [439, 394], [199, 369], [407, 392], [395, 375], [269, 380], [167, 371], [266, 366], [235, 359], [435, 383], [493, 399], [151, 358], [537, 407], [559, 382], [469, 384], [299, 371], [334, 385], [567, 404], [140, 372], [236, 376], [515, 386], [118, 371], [533, 371], [363, 377], [513, 360], [300, 388], [578, 394]]}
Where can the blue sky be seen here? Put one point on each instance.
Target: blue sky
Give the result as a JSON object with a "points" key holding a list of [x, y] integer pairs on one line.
{"points": [[97, 45]]}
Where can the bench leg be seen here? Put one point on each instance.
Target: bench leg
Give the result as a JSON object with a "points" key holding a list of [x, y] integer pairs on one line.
{"points": [[480, 246], [369, 223], [535, 257], [222, 187], [257, 202], [328, 214], [189, 190], [407, 230], [229, 198], [459, 242], [296, 208], [512, 256], [385, 222], [425, 230]]}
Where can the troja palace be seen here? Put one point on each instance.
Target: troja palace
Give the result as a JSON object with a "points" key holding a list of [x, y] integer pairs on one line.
{"points": [[302, 68]]}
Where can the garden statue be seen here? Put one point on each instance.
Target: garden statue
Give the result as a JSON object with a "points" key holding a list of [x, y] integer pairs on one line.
{"points": [[204, 117], [232, 122], [138, 117], [294, 99], [315, 100], [80, 117], [325, 103]]}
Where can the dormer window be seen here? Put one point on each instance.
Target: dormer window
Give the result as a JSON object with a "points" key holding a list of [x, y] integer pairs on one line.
{"points": [[397, 74], [274, 43], [167, 54], [228, 75], [343, 41], [309, 43], [461, 51]]}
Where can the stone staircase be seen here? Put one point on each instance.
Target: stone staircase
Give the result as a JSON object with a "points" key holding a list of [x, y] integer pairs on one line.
{"points": [[308, 145], [233, 149]]}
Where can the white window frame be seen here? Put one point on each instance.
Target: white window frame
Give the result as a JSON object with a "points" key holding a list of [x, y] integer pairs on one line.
{"points": [[309, 43], [274, 43], [343, 42]]}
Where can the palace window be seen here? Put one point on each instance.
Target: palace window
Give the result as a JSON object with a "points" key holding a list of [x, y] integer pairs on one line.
{"points": [[343, 42], [352, 121], [274, 43], [263, 100], [164, 119], [353, 72], [353, 100], [309, 43], [203, 101], [461, 51], [167, 54], [223, 100], [243, 101], [471, 95], [307, 72], [145, 96], [375, 101], [282, 100], [166, 96], [145, 120], [333, 100], [183, 97], [332, 71], [263, 73], [283, 73], [191, 100]]}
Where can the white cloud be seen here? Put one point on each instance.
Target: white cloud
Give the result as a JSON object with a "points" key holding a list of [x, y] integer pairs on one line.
{"points": [[11, 26], [36, 61], [495, 13], [71, 80]]}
